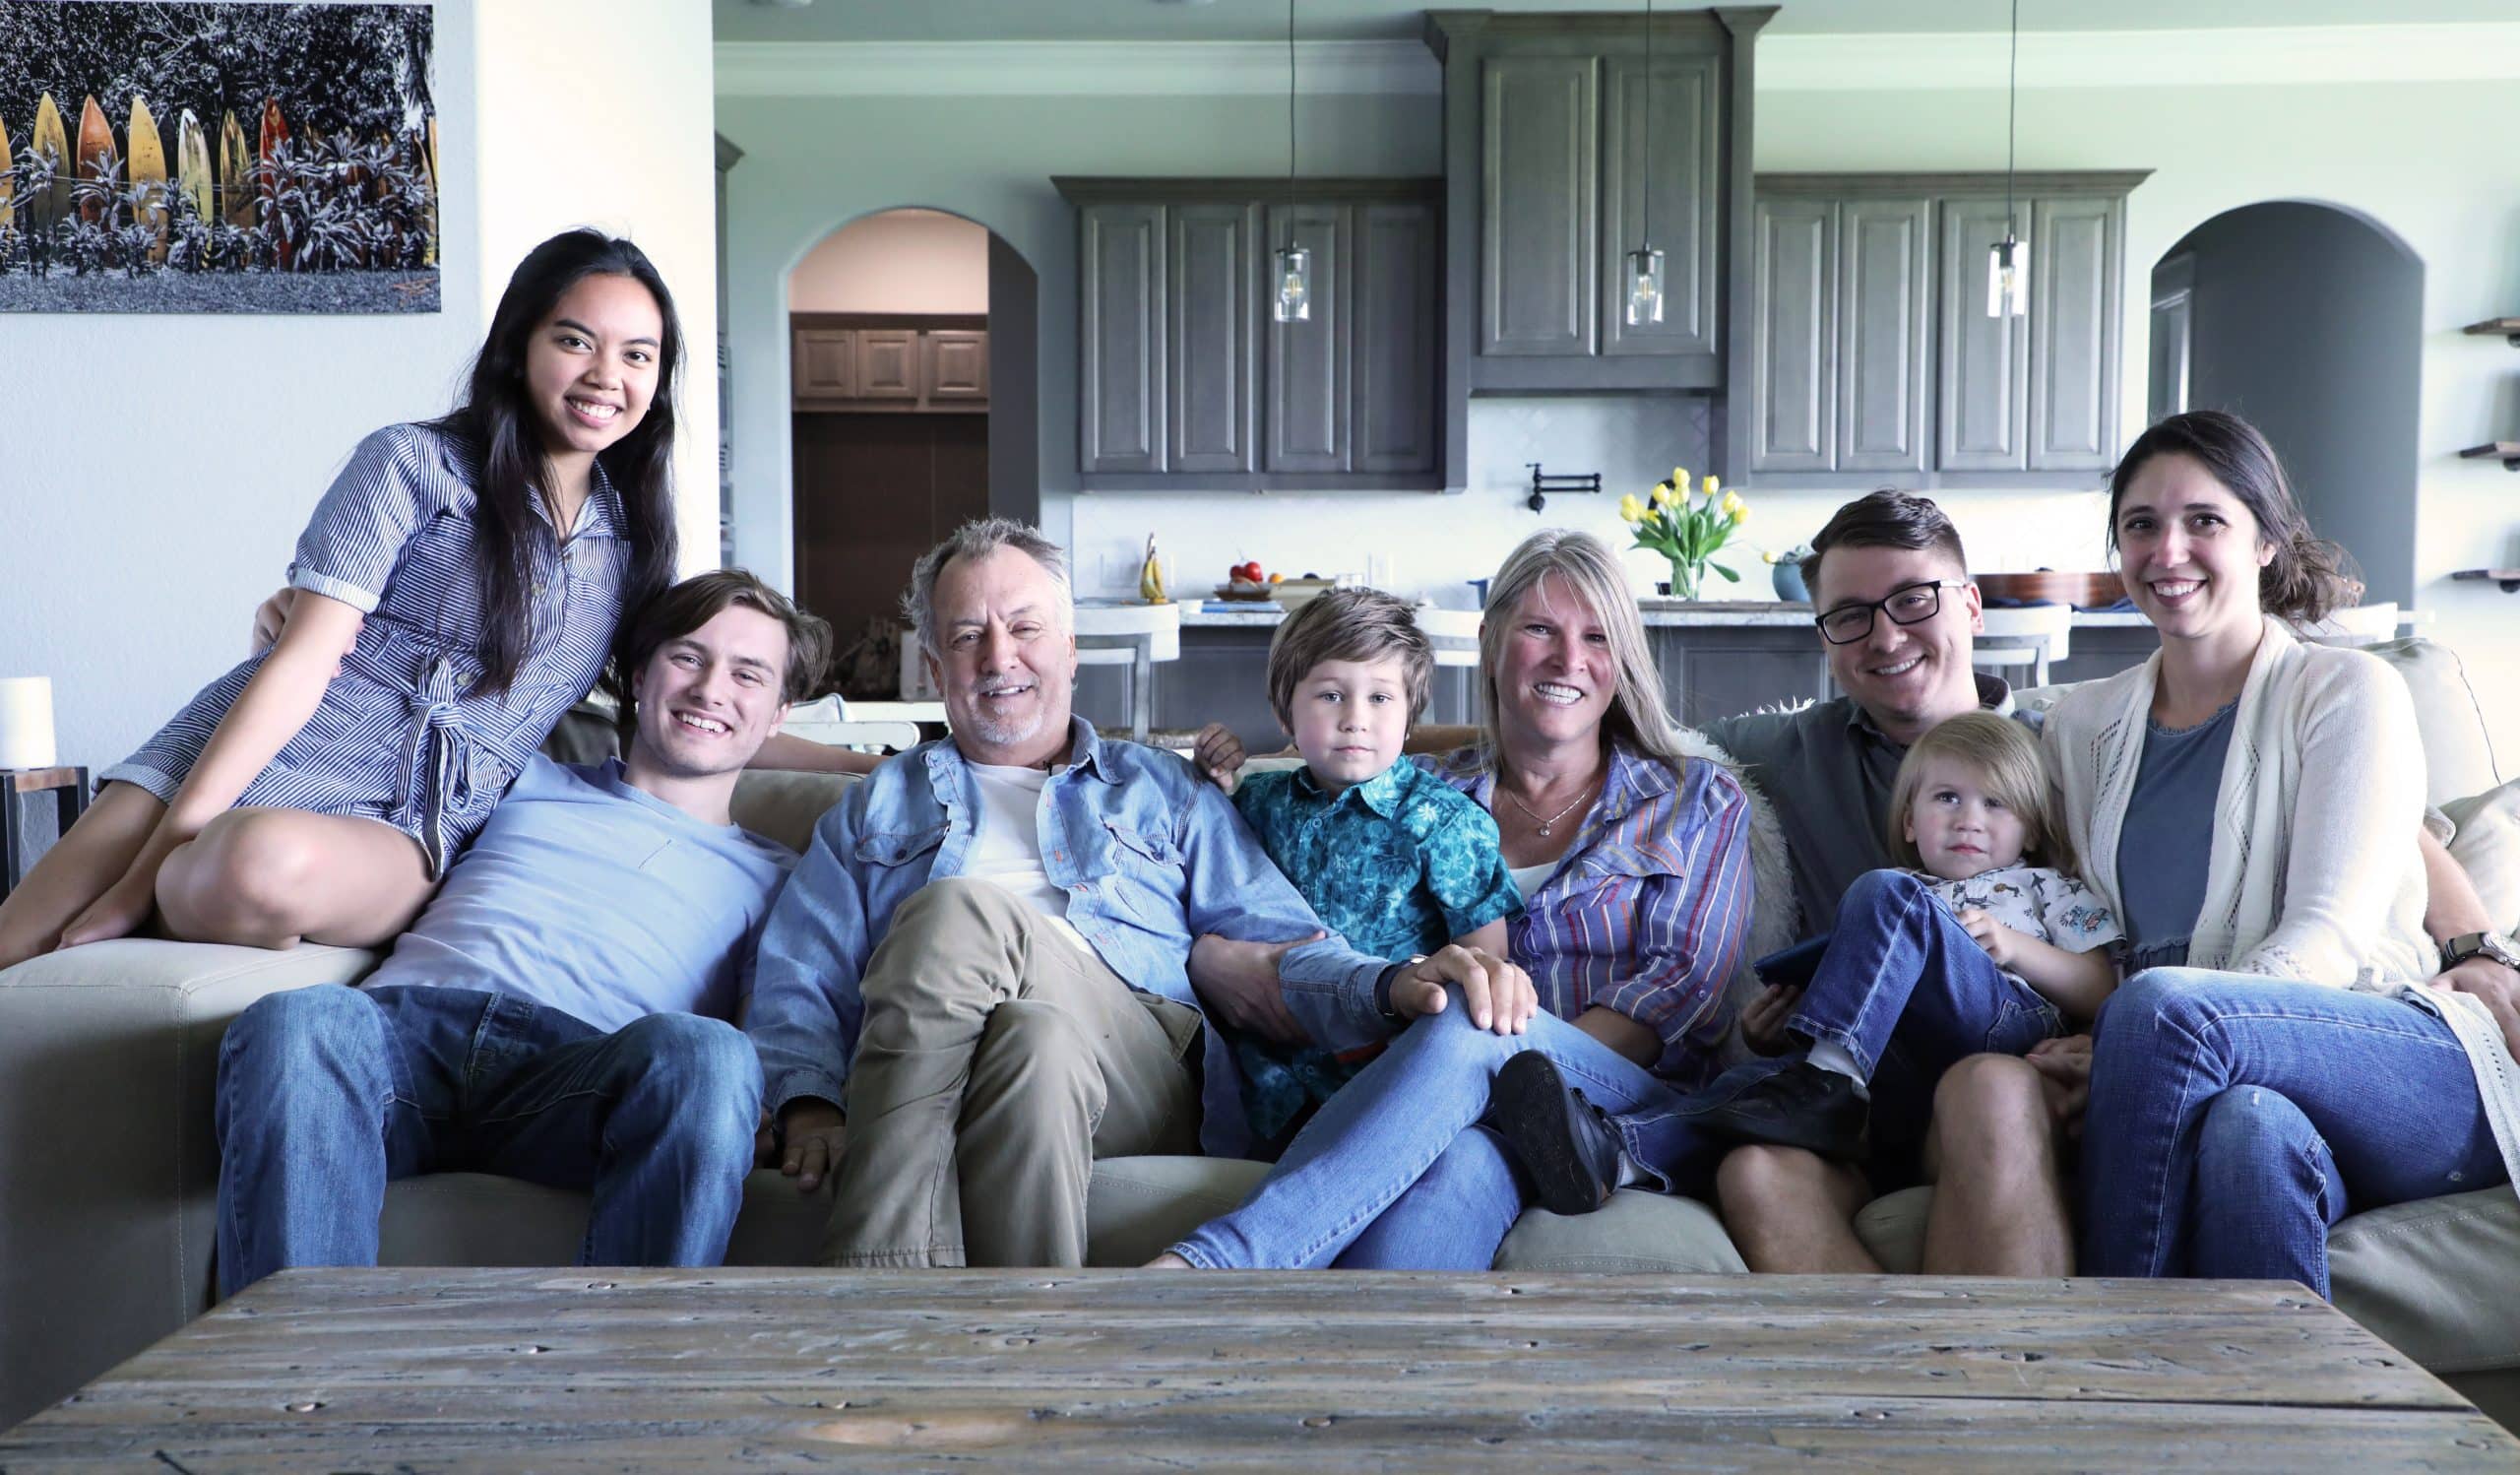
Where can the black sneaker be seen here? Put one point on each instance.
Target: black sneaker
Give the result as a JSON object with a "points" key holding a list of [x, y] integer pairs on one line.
{"points": [[1564, 1143], [1801, 1106]]}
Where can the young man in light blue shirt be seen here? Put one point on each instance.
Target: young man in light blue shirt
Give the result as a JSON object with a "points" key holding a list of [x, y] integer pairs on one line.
{"points": [[562, 1011]]}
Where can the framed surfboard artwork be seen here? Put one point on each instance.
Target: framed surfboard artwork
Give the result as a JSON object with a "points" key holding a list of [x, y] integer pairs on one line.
{"points": [[219, 156]]}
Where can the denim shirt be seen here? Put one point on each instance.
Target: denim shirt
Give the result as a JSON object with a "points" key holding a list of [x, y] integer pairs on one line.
{"points": [[1150, 855]]}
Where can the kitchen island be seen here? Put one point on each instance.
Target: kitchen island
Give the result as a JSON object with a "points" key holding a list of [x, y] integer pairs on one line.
{"points": [[1717, 657]]}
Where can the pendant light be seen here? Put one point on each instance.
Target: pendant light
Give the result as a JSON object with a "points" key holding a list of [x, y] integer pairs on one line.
{"points": [[1645, 264], [1293, 274], [2009, 260]]}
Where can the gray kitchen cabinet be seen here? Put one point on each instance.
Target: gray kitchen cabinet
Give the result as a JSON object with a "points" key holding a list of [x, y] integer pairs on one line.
{"points": [[1210, 320], [1305, 405], [2077, 286], [1540, 124], [1348, 398], [1873, 357], [1981, 386], [1392, 278], [824, 364], [1546, 123], [1794, 330], [1885, 333], [888, 363], [1121, 338], [956, 369], [1686, 110]]}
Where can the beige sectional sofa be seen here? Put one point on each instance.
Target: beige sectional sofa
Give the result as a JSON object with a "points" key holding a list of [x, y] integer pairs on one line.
{"points": [[109, 1170]]}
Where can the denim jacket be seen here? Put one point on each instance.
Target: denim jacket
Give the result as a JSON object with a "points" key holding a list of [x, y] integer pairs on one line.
{"points": [[1150, 855]]}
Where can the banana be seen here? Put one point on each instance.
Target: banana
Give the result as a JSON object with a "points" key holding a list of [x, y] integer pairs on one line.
{"points": [[1151, 576]]}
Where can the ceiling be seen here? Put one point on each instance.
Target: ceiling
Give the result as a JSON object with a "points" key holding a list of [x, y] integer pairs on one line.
{"points": [[1398, 20]]}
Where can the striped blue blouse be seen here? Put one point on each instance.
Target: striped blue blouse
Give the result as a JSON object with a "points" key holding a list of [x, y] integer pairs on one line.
{"points": [[400, 737]]}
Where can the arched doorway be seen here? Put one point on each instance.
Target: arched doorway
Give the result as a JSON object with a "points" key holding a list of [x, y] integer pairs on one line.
{"points": [[2306, 319], [913, 338]]}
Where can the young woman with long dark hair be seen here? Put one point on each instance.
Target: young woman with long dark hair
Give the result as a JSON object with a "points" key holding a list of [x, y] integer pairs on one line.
{"points": [[458, 590]]}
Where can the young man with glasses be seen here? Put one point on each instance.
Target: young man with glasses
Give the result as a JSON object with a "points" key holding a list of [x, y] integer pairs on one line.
{"points": [[1897, 618]]}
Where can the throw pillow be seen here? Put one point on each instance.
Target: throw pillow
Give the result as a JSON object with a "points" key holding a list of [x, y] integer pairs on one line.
{"points": [[2488, 844]]}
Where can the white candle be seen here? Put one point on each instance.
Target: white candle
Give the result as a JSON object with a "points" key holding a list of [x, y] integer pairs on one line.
{"points": [[25, 722]]}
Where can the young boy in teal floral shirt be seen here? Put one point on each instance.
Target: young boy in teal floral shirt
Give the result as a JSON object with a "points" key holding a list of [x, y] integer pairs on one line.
{"points": [[1390, 857]]}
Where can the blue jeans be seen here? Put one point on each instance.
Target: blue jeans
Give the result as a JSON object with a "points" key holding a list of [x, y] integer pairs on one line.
{"points": [[1906, 991], [1394, 1172], [328, 1093], [2232, 1118]]}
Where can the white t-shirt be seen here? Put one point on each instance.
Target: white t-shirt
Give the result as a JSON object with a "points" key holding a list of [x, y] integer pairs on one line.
{"points": [[1530, 878], [1007, 851]]}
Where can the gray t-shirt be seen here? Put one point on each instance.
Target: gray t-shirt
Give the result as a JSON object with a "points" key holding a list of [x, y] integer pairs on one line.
{"points": [[2168, 839], [1827, 771]]}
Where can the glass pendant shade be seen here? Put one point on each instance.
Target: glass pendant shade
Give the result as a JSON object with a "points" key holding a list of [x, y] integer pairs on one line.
{"points": [[1644, 287], [2007, 278], [1294, 285]]}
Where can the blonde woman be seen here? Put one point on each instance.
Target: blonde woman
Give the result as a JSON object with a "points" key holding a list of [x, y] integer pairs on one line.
{"points": [[1634, 865]]}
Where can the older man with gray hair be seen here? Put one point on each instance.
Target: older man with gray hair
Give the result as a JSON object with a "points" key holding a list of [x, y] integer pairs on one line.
{"points": [[979, 979]]}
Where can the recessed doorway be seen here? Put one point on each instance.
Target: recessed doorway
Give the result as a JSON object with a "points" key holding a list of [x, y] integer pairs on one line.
{"points": [[2306, 319], [912, 338]]}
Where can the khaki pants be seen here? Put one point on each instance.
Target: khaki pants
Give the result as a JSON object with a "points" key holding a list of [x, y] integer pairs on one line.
{"points": [[997, 1059]]}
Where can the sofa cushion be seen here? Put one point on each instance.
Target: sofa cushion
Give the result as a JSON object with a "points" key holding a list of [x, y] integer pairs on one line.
{"points": [[1134, 1208], [2458, 752], [784, 805], [2427, 1276], [1634, 1234], [2488, 845]]}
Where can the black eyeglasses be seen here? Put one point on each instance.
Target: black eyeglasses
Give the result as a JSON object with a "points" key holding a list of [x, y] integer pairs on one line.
{"points": [[1910, 605]]}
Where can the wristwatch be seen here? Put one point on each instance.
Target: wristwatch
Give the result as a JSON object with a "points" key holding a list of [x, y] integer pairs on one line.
{"points": [[2492, 945]]}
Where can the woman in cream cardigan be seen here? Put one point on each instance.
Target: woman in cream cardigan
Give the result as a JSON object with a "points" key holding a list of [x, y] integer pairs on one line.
{"points": [[2248, 804]]}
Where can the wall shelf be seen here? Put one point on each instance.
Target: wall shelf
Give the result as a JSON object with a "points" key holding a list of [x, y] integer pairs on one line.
{"points": [[2507, 578], [2505, 451], [2505, 327]]}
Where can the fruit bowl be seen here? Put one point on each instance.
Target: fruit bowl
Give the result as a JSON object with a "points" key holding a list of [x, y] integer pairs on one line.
{"points": [[1244, 590], [1293, 592]]}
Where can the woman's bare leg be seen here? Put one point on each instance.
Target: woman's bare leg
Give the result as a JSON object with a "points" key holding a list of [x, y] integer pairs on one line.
{"points": [[1998, 1201], [276, 877], [1792, 1212], [80, 868]]}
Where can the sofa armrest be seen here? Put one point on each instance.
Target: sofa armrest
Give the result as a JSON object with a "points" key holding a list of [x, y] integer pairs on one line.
{"points": [[107, 1056]]}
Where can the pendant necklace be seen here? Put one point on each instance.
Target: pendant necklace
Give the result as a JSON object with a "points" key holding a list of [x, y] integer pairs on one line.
{"points": [[1553, 819]]}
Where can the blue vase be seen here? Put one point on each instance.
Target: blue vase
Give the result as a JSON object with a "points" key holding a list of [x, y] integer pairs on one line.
{"points": [[1788, 578]]}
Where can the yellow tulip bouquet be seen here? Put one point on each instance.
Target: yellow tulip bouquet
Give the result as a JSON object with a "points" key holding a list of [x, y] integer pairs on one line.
{"points": [[1687, 527]]}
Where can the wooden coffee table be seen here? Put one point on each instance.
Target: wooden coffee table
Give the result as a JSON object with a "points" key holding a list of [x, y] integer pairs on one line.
{"points": [[742, 1370]]}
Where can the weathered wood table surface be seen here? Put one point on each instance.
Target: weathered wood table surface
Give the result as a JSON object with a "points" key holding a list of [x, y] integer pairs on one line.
{"points": [[746, 1370]]}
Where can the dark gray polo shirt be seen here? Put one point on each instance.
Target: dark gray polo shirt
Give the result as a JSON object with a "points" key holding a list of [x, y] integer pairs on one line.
{"points": [[1827, 772]]}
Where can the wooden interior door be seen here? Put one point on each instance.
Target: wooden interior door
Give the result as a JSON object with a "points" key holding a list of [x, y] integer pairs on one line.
{"points": [[873, 492]]}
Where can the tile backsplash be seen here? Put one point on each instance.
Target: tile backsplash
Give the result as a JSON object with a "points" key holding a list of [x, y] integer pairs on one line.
{"points": [[1429, 544]]}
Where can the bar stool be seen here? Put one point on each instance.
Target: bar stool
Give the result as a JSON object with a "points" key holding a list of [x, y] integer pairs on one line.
{"points": [[1454, 634], [2035, 636], [1135, 636]]}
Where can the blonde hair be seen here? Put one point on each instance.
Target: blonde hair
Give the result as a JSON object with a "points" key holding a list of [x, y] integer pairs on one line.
{"points": [[2008, 761], [1590, 572]]}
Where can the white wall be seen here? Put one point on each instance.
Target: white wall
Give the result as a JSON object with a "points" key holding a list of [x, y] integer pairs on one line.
{"points": [[900, 261], [155, 470]]}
